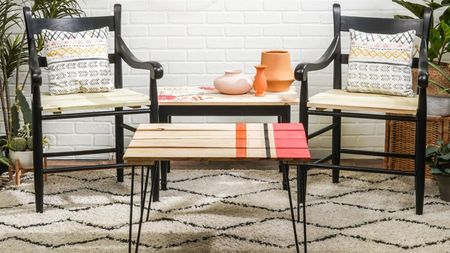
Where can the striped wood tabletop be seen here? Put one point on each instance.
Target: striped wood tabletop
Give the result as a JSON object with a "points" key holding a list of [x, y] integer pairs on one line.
{"points": [[253, 141]]}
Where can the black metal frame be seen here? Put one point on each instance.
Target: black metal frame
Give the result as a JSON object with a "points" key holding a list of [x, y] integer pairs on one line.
{"points": [[121, 52], [283, 112], [153, 170], [333, 54]]}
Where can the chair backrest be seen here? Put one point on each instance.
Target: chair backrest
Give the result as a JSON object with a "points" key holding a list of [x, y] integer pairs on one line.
{"points": [[34, 27], [373, 25]]}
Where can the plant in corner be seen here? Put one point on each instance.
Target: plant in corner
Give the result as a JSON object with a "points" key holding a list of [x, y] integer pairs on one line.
{"points": [[438, 158], [13, 55], [438, 48]]}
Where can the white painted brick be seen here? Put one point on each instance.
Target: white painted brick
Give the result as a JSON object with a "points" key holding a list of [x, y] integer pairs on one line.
{"points": [[263, 42], [202, 5], [225, 42], [243, 30], [92, 128], [302, 17], [148, 18], [247, 5], [53, 127], [221, 67], [262, 18], [186, 43], [147, 43], [243, 55], [225, 18], [168, 55], [103, 140], [167, 5], [205, 30], [74, 139], [186, 68], [206, 55], [319, 30], [186, 17], [167, 30], [281, 5], [281, 30]]}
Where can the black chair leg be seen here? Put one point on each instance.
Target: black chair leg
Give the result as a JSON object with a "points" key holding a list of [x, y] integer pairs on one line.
{"points": [[164, 170], [336, 146], [420, 162], [38, 161], [291, 207], [120, 150]]}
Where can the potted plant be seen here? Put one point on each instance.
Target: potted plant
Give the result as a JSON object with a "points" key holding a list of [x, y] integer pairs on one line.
{"points": [[438, 158], [439, 45], [13, 55]]}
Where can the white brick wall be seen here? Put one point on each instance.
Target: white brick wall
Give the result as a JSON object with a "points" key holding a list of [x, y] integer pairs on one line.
{"points": [[196, 40]]}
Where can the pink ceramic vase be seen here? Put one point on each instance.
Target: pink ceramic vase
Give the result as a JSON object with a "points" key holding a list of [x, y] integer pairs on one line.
{"points": [[234, 82], [260, 83]]}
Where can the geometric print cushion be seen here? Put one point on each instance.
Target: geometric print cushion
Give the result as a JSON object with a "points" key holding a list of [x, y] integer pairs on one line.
{"points": [[78, 62], [381, 63]]}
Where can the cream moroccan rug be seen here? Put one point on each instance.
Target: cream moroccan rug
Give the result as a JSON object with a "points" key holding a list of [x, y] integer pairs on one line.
{"points": [[224, 211]]}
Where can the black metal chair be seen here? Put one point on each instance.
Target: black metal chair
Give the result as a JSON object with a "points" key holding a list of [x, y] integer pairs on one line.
{"points": [[338, 103], [117, 103]]}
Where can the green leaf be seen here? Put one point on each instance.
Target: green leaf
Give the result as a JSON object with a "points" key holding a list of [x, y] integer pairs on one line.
{"points": [[436, 44], [4, 160], [431, 150], [445, 16], [416, 9], [24, 107], [15, 120], [445, 157]]}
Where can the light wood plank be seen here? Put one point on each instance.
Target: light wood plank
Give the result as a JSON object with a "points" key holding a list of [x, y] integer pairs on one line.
{"points": [[209, 134], [340, 99], [207, 143], [102, 100], [213, 127], [207, 95]]}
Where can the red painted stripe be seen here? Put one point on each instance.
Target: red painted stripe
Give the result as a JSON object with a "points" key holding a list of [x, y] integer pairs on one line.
{"points": [[288, 136], [241, 140], [288, 126]]}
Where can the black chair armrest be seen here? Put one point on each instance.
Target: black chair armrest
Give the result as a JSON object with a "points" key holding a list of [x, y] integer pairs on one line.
{"points": [[156, 69], [35, 69], [423, 65], [303, 68]]}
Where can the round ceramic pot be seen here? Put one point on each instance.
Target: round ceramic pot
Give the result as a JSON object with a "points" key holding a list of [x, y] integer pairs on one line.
{"points": [[233, 82], [438, 106], [279, 72], [24, 157]]}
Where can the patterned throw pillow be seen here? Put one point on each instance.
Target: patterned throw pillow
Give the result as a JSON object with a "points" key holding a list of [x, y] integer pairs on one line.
{"points": [[78, 62], [381, 63]]}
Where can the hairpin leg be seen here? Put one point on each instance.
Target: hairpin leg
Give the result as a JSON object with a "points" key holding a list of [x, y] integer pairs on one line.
{"points": [[291, 208], [131, 211]]}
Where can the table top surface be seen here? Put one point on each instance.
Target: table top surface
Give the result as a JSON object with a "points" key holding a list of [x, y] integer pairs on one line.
{"points": [[252, 141], [208, 95]]}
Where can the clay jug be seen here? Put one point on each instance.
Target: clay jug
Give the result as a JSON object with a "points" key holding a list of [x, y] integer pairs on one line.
{"points": [[279, 72], [260, 83], [234, 82]]}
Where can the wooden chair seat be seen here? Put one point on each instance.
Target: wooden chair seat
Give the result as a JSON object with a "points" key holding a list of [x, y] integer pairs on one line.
{"points": [[350, 101], [84, 101]]}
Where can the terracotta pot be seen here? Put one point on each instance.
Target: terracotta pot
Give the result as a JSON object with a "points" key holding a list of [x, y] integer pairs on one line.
{"points": [[233, 82], [260, 83], [279, 71]]}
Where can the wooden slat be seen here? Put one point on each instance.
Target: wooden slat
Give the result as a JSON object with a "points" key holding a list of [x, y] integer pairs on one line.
{"points": [[207, 95], [340, 99], [206, 134], [103, 100], [207, 143], [215, 127]]}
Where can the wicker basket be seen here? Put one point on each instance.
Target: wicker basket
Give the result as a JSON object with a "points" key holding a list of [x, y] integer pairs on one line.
{"points": [[400, 138]]}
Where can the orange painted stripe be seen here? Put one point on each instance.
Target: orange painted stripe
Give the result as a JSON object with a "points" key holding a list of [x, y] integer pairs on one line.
{"points": [[241, 140]]}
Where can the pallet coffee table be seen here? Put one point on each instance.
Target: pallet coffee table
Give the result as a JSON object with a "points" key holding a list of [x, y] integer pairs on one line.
{"points": [[284, 142]]}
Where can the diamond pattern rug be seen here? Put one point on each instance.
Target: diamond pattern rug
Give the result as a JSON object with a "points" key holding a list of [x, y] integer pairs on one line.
{"points": [[224, 211]]}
